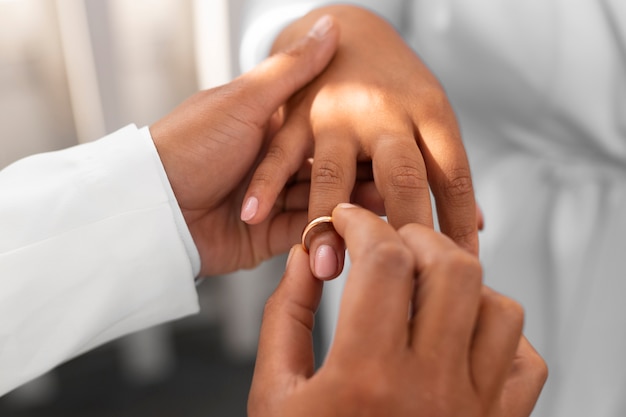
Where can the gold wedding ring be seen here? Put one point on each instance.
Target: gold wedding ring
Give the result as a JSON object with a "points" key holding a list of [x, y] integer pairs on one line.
{"points": [[312, 225]]}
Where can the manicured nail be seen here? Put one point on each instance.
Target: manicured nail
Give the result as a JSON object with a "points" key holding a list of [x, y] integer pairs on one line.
{"points": [[345, 205], [249, 209], [325, 262], [291, 251], [321, 27]]}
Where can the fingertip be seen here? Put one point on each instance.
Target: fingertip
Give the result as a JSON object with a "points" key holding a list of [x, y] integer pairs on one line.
{"points": [[344, 206], [342, 214], [341, 210], [325, 262], [249, 209], [322, 27], [326, 250], [296, 257], [291, 252]]}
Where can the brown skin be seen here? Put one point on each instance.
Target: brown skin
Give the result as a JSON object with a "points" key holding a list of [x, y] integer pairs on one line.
{"points": [[461, 354], [209, 147], [376, 103], [458, 352]]}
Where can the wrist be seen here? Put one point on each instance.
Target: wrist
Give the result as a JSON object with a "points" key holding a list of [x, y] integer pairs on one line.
{"points": [[177, 213]]}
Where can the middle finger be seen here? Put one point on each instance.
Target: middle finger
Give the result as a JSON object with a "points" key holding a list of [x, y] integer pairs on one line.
{"points": [[401, 178]]}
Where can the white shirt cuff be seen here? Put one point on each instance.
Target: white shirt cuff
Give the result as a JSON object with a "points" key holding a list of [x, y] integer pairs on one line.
{"points": [[183, 230]]}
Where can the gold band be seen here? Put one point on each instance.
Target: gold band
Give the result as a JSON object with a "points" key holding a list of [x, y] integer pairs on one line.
{"points": [[312, 225]]}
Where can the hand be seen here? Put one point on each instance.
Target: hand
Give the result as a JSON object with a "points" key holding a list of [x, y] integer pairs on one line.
{"points": [[376, 104], [460, 352], [210, 144]]}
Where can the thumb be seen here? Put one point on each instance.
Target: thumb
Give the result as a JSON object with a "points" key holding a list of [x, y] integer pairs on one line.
{"points": [[286, 340], [278, 77]]}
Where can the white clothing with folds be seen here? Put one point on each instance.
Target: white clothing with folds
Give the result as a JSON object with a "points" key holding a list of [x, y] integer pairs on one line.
{"points": [[92, 247], [539, 87]]}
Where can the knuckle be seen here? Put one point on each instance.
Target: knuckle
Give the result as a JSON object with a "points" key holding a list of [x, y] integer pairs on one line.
{"points": [[275, 155], [541, 369], [463, 233], [270, 168], [514, 311], [378, 99], [369, 102], [279, 304], [462, 269], [328, 173], [533, 368], [508, 309], [433, 100], [459, 184], [404, 177], [390, 254], [270, 305], [295, 51], [262, 178], [373, 390]]}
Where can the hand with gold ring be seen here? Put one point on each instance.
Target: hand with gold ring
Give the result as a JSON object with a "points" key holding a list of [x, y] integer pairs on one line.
{"points": [[461, 352], [376, 107]]}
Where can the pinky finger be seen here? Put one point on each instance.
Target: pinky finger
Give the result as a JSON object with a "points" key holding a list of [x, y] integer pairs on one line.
{"points": [[284, 157]]}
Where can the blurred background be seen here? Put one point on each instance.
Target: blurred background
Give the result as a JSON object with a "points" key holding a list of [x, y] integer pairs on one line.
{"points": [[72, 71]]}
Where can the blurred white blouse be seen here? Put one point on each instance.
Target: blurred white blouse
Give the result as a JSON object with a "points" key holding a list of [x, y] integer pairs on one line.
{"points": [[539, 87]]}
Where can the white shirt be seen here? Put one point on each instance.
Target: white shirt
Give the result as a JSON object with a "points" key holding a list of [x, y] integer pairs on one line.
{"points": [[93, 246]]}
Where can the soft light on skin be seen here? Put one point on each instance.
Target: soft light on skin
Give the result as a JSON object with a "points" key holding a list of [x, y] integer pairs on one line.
{"points": [[256, 43]]}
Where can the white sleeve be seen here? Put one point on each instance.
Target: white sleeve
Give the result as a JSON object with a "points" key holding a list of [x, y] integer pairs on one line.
{"points": [[264, 19], [91, 248]]}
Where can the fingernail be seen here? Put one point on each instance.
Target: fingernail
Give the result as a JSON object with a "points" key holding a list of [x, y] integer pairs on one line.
{"points": [[249, 209], [321, 27], [325, 263], [342, 206], [293, 249]]}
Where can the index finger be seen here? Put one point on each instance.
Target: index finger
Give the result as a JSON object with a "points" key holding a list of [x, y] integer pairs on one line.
{"points": [[378, 291]]}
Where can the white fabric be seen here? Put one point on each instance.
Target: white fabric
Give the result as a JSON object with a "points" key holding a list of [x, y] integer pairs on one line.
{"points": [[91, 248], [540, 90]]}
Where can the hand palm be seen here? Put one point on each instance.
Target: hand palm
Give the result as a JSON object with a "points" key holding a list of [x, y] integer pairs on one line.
{"points": [[210, 207], [226, 243]]}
